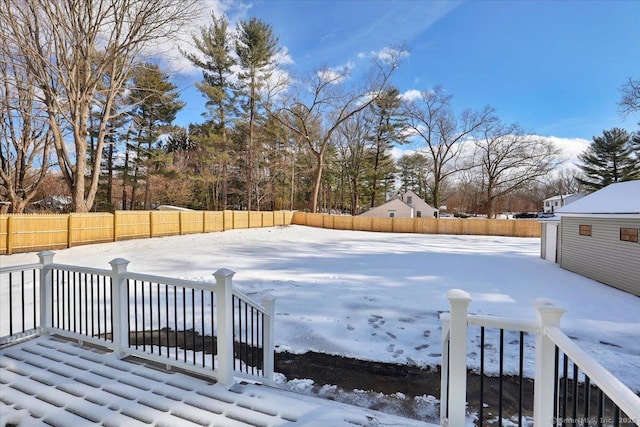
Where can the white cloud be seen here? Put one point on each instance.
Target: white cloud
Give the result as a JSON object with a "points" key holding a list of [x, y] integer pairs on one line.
{"points": [[570, 147], [327, 37], [411, 95], [337, 74], [386, 54], [389, 54]]}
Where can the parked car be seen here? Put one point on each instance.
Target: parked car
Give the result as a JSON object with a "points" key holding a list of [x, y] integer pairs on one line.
{"points": [[526, 215], [545, 214]]}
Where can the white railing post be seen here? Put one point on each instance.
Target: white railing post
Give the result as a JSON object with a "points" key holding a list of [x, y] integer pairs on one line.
{"points": [[457, 390], [444, 368], [543, 405], [269, 302], [46, 290], [119, 303], [224, 291]]}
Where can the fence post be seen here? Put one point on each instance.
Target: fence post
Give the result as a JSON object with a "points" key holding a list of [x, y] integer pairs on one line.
{"points": [[119, 304], [46, 290], [543, 404], [69, 230], [10, 235], [457, 392], [269, 302], [115, 226], [224, 290], [444, 368]]}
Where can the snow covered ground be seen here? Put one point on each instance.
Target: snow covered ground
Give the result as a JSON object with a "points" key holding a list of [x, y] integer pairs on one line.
{"points": [[378, 296]]}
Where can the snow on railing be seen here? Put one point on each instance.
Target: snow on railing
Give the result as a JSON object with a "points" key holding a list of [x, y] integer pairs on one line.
{"points": [[211, 329], [591, 396]]}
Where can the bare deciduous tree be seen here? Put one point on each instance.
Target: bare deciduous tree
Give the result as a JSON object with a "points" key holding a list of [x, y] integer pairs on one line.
{"points": [[324, 101], [431, 120], [352, 149], [81, 53], [24, 133], [509, 160], [565, 182], [630, 101]]}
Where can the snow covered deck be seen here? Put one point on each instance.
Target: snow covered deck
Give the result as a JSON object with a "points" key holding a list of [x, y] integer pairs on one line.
{"points": [[54, 381]]}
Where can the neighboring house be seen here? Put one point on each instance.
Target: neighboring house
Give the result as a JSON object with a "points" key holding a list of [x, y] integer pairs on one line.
{"points": [[55, 203], [597, 236], [406, 205], [554, 203], [172, 208]]}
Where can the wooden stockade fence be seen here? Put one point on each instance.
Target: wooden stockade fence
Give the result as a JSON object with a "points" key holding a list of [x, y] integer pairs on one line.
{"points": [[468, 226], [33, 232], [28, 233]]}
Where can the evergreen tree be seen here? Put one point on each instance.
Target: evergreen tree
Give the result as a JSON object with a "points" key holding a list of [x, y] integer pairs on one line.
{"points": [[388, 129], [256, 48], [413, 172], [216, 61], [635, 144], [155, 105], [609, 159]]}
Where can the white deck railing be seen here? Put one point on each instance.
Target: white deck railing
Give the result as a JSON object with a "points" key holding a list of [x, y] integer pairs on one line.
{"points": [[100, 306], [550, 341]]}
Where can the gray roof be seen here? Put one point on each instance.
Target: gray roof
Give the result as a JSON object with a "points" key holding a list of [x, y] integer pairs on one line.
{"points": [[618, 198]]}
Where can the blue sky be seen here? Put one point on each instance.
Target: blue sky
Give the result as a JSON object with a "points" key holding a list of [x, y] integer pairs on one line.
{"points": [[555, 67]]}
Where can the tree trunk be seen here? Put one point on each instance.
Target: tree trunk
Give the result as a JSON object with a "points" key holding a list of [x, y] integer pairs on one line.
{"points": [[317, 180], [110, 177]]}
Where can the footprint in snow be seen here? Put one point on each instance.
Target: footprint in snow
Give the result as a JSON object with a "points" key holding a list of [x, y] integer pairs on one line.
{"points": [[376, 321], [396, 353]]}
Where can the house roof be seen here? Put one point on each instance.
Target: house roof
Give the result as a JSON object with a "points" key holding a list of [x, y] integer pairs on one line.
{"points": [[614, 199], [390, 205], [397, 203], [563, 196], [52, 381]]}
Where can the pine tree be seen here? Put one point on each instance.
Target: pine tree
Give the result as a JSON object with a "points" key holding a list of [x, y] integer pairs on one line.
{"points": [[635, 144], [156, 103], [256, 47], [216, 61], [387, 129], [609, 159]]}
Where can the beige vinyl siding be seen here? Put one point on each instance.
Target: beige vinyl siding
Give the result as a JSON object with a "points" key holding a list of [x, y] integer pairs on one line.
{"points": [[401, 209], [602, 256], [543, 239]]}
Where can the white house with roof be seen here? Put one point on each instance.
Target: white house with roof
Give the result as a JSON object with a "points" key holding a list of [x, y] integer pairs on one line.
{"points": [[554, 203], [407, 205], [597, 236]]}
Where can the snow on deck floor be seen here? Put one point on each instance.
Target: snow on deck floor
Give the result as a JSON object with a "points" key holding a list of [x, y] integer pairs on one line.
{"points": [[51, 381]]}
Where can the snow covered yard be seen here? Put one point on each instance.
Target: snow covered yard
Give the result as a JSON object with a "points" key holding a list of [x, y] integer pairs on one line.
{"points": [[378, 296]]}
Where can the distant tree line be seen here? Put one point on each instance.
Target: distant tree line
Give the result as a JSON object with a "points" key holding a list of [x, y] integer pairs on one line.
{"points": [[85, 112]]}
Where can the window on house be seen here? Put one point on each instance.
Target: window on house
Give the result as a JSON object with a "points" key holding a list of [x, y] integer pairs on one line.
{"points": [[555, 203], [585, 230], [409, 200], [629, 235], [419, 214], [392, 214]]}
